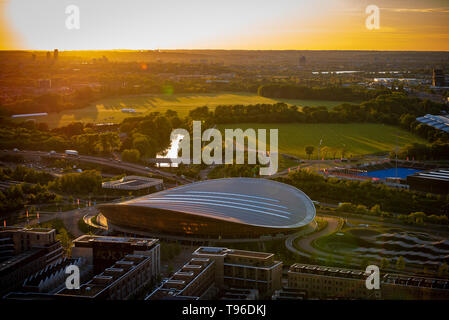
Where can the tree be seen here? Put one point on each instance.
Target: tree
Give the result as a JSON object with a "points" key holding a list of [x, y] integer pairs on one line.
{"points": [[347, 259], [131, 155], [384, 263], [365, 263], [330, 260], [443, 270], [144, 145], [400, 263], [375, 210], [417, 217], [309, 150]]}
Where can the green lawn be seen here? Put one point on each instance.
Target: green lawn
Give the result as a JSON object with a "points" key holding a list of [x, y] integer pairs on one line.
{"points": [[108, 110], [356, 138]]}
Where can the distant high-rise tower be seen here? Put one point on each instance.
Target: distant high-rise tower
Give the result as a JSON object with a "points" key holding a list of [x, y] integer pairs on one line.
{"points": [[55, 54], [438, 78]]}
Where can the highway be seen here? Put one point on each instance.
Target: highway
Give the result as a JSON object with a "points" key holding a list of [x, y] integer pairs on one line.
{"points": [[132, 167]]}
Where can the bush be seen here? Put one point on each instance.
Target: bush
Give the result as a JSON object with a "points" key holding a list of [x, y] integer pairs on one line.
{"points": [[131, 155]]}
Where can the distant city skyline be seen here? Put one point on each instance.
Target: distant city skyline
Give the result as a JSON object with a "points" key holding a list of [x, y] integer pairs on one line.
{"points": [[200, 24]]}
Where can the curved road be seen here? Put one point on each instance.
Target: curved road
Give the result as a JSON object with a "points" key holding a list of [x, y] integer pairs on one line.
{"points": [[69, 218], [306, 241]]}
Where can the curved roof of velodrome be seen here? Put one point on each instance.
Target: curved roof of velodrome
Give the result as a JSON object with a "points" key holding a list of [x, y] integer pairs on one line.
{"points": [[257, 202]]}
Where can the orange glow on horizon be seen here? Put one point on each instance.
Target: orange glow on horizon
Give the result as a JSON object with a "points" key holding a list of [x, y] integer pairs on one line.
{"points": [[202, 24]]}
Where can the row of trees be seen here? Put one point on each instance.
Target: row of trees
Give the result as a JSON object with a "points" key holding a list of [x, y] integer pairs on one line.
{"points": [[362, 209], [235, 170], [86, 182], [25, 174], [434, 151], [408, 121], [141, 137], [16, 196], [387, 109], [368, 194], [52, 102], [148, 135], [288, 91], [421, 218], [412, 218]]}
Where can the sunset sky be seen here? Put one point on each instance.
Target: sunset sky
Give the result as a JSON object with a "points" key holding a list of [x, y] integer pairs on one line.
{"points": [[230, 24]]}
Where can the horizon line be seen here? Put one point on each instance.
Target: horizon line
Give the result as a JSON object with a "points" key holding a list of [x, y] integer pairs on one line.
{"points": [[216, 49]]}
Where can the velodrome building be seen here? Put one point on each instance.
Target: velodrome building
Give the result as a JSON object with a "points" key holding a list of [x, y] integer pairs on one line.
{"points": [[230, 208]]}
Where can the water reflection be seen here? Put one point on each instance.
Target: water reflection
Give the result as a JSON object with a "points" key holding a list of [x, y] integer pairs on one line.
{"points": [[171, 152]]}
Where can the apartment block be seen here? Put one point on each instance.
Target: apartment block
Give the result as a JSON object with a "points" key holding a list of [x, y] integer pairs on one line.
{"points": [[23, 252], [194, 281], [322, 282]]}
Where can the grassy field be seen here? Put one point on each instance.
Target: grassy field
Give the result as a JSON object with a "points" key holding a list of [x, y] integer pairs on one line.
{"points": [[108, 110], [355, 138]]}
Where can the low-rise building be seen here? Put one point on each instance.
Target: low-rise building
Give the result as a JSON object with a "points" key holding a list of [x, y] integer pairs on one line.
{"points": [[244, 269], [23, 252], [227, 273], [322, 282], [195, 280], [103, 251], [121, 281], [289, 294], [240, 294], [402, 287], [52, 278], [121, 267], [433, 181]]}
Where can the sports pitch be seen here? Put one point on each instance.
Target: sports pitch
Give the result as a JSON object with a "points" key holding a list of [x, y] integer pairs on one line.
{"points": [[109, 109], [355, 138]]}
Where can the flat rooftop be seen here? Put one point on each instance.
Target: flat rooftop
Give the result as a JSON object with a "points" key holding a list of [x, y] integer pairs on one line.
{"points": [[24, 257], [132, 183], [86, 240], [416, 281], [232, 252], [257, 202], [327, 271], [439, 175], [101, 282], [27, 230]]}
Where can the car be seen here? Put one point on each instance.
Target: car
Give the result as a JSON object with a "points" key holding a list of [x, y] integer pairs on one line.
{"points": [[15, 150]]}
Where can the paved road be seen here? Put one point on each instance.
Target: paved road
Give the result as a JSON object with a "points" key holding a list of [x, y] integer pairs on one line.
{"points": [[103, 161], [93, 223], [305, 243], [289, 241], [69, 218], [332, 226]]}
